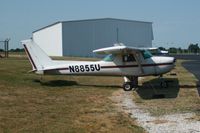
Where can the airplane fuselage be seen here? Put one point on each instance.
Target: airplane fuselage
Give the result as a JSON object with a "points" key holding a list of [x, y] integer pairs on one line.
{"points": [[151, 66], [128, 62]]}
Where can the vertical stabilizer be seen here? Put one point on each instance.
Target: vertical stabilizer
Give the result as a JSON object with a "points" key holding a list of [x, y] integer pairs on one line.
{"points": [[37, 57]]}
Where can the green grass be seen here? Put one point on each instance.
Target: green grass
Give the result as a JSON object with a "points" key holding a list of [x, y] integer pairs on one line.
{"points": [[74, 104], [180, 96], [78, 104]]}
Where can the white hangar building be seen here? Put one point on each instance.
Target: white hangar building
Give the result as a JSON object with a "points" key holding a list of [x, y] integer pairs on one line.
{"points": [[80, 37]]}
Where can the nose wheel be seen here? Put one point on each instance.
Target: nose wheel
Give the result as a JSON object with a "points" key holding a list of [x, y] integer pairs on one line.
{"points": [[127, 86], [131, 83]]}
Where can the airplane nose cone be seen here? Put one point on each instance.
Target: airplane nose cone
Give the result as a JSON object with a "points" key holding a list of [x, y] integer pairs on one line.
{"points": [[170, 59], [164, 60]]}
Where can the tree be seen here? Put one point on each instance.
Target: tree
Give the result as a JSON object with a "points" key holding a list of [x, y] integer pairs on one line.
{"points": [[17, 50], [193, 48], [172, 50], [185, 50], [179, 50], [161, 48]]}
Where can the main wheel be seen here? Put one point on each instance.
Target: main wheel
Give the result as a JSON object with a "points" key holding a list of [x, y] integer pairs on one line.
{"points": [[127, 86]]}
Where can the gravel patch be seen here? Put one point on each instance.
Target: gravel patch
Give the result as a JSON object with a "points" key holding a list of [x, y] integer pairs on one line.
{"points": [[175, 123]]}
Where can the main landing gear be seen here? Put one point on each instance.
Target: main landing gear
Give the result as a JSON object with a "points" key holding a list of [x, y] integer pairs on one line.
{"points": [[130, 83]]}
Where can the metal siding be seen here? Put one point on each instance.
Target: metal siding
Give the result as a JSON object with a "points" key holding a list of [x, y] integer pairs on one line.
{"points": [[77, 38], [50, 39], [81, 37], [134, 33], [105, 34]]}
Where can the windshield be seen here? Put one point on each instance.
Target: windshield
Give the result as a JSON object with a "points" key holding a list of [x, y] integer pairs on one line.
{"points": [[146, 54], [155, 51], [109, 57]]}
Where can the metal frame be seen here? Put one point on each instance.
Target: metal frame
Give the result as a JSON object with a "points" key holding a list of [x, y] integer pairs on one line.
{"points": [[6, 47]]}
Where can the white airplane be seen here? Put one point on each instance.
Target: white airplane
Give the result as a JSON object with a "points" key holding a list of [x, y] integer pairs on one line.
{"points": [[128, 62]]}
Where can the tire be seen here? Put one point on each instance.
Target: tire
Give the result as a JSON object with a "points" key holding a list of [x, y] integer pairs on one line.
{"points": [[127, 86]]}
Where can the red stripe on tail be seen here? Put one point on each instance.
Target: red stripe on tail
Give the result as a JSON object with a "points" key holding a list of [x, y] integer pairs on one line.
{"points": [[29, 56]]}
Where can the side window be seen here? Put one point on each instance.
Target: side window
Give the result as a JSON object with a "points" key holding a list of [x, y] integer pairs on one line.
{"points": [[146, 54], [109, 57], [128, 58]]}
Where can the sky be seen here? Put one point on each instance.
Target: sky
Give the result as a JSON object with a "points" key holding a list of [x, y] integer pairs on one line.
{"points": [[176, 23]]}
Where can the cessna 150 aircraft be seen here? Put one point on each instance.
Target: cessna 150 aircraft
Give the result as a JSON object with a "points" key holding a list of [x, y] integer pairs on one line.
{"points": [[128, 62]]}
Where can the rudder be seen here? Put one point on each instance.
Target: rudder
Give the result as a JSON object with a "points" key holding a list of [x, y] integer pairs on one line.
{"points": [[37, 57]]}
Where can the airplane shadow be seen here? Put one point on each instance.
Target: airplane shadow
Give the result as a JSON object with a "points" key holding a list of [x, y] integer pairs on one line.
{"points": [[152, 89], [148, 90], [61, 83], [101, 86], [198, 88], [56, 83]]}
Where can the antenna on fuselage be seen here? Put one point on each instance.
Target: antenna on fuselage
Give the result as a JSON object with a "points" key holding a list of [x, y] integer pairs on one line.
{"points": [[117, 30]]}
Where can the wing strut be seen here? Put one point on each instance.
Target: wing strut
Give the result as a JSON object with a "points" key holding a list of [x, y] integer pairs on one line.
{"points": [[138, 60]]}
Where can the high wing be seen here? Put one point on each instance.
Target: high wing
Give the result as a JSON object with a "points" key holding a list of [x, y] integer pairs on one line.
{"points": [[118, 50], [123, 50]]}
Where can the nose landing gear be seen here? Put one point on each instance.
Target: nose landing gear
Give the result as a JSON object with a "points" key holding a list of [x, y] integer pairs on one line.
{"points": [[130, 83], [127, 86]]}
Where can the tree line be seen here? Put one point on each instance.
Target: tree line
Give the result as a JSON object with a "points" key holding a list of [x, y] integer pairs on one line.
{"points": [[192, 49], [14, 50]]}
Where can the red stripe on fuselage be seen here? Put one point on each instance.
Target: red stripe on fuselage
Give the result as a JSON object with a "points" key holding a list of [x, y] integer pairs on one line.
{"points": [[143, 65], [120, 66], [29, 56]]}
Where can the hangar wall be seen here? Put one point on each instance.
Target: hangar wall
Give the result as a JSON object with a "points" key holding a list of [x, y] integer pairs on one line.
{"points": [[50, 39], [80, 37]]}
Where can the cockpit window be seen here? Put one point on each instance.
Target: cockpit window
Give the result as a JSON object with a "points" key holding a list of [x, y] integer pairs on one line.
{"points": [[146, 54], [128, 58], [109, 57]]}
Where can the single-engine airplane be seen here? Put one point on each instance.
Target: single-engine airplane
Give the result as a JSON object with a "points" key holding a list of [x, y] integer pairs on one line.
{"points": [[128, 62]]}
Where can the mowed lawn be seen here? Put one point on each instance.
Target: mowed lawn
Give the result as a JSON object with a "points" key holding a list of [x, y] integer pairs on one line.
{"points": [[57, 104]]}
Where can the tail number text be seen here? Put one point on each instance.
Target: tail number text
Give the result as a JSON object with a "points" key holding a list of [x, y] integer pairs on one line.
{"points": [[84, 68]]}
